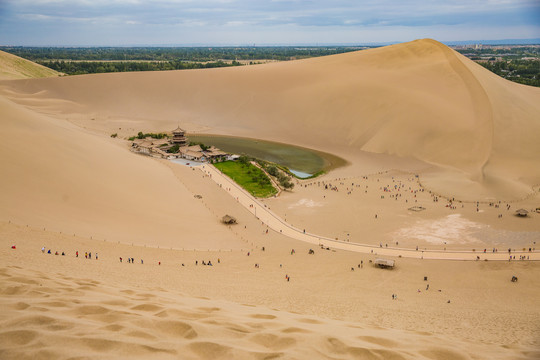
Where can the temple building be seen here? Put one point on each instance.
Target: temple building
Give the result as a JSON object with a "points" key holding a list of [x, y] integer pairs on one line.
{"points": [[179, 137], [177, 147]]}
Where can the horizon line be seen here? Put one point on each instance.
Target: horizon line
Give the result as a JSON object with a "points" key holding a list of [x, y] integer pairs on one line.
{"points": [[529, 41]]}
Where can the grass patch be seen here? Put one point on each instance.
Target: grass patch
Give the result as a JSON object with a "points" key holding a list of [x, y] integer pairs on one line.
{"points": [[248, 176]]}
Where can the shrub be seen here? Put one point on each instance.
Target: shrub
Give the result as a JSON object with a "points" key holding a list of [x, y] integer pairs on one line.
{"points": [[243, 160], [272, 170]]}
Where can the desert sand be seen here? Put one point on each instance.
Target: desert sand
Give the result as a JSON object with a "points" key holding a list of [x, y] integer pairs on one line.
{"points": [[418, 123]]}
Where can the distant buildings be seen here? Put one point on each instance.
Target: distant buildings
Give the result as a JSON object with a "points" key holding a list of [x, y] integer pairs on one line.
{"points": [[177, 147]]}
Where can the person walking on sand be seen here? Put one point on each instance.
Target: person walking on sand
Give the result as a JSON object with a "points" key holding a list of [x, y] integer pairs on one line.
{"points": [[43, 249], [77, 253]]}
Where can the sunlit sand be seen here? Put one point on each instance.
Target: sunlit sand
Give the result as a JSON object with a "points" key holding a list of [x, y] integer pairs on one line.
{"points": [[419, 124]]}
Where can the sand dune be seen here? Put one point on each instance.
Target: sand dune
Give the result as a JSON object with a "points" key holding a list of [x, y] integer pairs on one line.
{"points": [[63, 307], [41, 318], [14, 67], [418, 99], [61, 178], [418, 106]]}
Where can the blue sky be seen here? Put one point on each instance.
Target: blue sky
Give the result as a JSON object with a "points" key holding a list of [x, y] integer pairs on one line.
{"points": [[262, 22]]}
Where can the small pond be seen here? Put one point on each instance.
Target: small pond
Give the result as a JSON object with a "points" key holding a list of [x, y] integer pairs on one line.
{"points": [[300, 161]]}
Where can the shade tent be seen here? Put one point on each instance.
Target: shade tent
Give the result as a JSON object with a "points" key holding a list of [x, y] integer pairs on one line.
{"points": [[521, 212], [384, 263], [227, 219]]}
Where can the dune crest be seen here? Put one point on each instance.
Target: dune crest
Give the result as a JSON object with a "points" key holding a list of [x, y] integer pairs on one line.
{"points": [[14, 67]]}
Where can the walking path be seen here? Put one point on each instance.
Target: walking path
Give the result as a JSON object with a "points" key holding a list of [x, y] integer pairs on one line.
{"points": [[274, 222]]}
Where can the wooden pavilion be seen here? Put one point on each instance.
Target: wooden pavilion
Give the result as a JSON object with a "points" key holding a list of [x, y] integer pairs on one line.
{"points": [[179, 137]]}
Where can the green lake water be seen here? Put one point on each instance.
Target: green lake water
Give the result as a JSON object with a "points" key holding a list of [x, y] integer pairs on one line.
{"points": [[301, 161]]}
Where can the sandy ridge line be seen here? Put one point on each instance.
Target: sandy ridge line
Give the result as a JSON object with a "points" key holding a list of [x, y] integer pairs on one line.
{"points": [[274, 222]]}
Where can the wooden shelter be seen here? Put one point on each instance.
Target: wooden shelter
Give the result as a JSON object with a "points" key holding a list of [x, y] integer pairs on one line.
{"points": [[385, 263], [521, 212], [229, 220]]}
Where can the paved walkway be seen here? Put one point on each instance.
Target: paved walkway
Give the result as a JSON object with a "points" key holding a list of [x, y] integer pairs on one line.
{"points": [[274, 222]]}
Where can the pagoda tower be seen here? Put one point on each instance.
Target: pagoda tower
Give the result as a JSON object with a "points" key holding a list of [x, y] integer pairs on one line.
{"points": [[179, 137]]}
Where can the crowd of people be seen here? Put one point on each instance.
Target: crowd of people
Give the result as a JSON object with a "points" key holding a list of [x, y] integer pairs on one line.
{"points": [[87, 254]]}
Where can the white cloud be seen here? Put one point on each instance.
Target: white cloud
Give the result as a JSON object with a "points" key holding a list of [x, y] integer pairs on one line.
{"points": [[277, 21]]}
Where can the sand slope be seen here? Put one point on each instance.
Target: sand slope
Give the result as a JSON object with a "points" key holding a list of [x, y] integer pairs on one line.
{"points": [[59, 177], [418, 99], [43, 310], [69, 187], [65, 307], [14, 67]]}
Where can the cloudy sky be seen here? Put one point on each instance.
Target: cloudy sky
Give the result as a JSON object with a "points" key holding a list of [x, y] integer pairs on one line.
{"points": [[260, 22]]}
